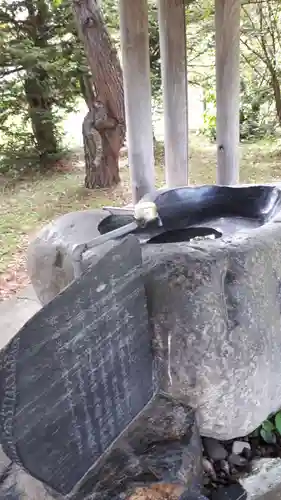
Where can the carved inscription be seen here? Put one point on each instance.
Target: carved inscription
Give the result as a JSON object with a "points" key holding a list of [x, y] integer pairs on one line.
{"points": [[79, 372]]}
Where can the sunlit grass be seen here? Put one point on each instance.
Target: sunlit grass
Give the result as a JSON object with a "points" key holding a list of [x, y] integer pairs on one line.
{"points": [[30, 203]]}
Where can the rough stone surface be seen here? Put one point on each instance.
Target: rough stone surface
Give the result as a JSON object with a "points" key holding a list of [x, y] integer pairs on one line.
{"points": [[190, 496], [162, 444], [80, 408], [49, 255], [214, 449], [16, 484], [215, 309], [239, 446], [233, 492], [237, 460]]}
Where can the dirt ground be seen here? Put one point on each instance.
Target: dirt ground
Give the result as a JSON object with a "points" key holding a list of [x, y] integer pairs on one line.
{"points": [[158, 492]]}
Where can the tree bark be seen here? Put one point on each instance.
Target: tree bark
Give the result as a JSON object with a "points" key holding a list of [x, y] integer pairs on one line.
{"points": [[104, 125], [36, 86], [101, 162], [40, 112], [277, 94]]}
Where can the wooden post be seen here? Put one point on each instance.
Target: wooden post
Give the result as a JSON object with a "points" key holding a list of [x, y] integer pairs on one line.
{"points": [[172, 28], [137, 90], [227, 15]]}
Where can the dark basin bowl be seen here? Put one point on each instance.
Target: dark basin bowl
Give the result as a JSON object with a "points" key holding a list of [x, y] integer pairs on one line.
{"points": [[217, 210]]}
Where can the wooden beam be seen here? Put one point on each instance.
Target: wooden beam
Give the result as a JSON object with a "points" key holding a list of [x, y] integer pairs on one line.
{"points": [[137, 90], [172, 28], [227, 22]]}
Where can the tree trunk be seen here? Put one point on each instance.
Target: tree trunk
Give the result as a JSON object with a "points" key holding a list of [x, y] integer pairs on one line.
{"points": [[104, 125], [101, 161], [277, 95], [40, 112]]}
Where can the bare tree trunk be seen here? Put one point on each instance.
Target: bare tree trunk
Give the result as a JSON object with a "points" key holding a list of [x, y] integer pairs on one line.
{"points": [[40, 112], [277, 95], [104, 125], [101, 162]]}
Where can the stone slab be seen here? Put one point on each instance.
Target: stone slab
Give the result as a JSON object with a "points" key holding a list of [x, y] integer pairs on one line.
{"points": [[162, 445], [70, 379]]}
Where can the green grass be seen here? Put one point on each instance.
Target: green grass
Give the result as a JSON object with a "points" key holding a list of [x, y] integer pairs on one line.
{"points": [[28, 204]]}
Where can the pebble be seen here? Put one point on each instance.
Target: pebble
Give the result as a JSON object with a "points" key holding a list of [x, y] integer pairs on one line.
{"points": [[239, 446], [214, 449], [237, 460], [209, 469], [224, 465]]}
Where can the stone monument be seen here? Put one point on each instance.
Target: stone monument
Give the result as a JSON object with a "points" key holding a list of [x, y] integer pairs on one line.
{"points": [[81, 409]]}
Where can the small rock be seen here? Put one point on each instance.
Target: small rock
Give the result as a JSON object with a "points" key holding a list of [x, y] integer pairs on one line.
{"points": [[233, 471], [239, 446], [214, 449], [206, 480], [237, 460], [224, 465], [258, 452], [232, 492], [247, 454], [209, 469]]}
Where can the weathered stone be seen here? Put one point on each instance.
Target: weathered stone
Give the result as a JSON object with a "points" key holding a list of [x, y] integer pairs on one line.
{"points": [[209, 468], [192, 496], [237, 460], [232, 492], [214, 449], [162, 444], [239, 446], [49, 262], [5, 463], [224, 466], [80, 408], [215, 312], [16, 484], [209, 210]]}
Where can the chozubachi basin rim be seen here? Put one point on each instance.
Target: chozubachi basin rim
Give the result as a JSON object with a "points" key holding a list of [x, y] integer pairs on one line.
{"points": [[189, 212]]}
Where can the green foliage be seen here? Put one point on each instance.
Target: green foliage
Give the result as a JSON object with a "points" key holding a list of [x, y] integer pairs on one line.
{"points": [[17, 149], [269, 429], [39, 43], [209, 124], [277, 421], [110, 10], [257, 118], [267, 432], [260, 68], [154, 53], [41, 61]]}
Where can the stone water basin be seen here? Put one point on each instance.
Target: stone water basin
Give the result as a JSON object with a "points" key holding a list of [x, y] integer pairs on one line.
{"points": [[222, 213], [186, 214], [201, 211]]}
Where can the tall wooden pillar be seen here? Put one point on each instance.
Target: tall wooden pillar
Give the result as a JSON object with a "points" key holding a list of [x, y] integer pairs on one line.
{"points": [[172, 28], [137, 90], [227, 16]]}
